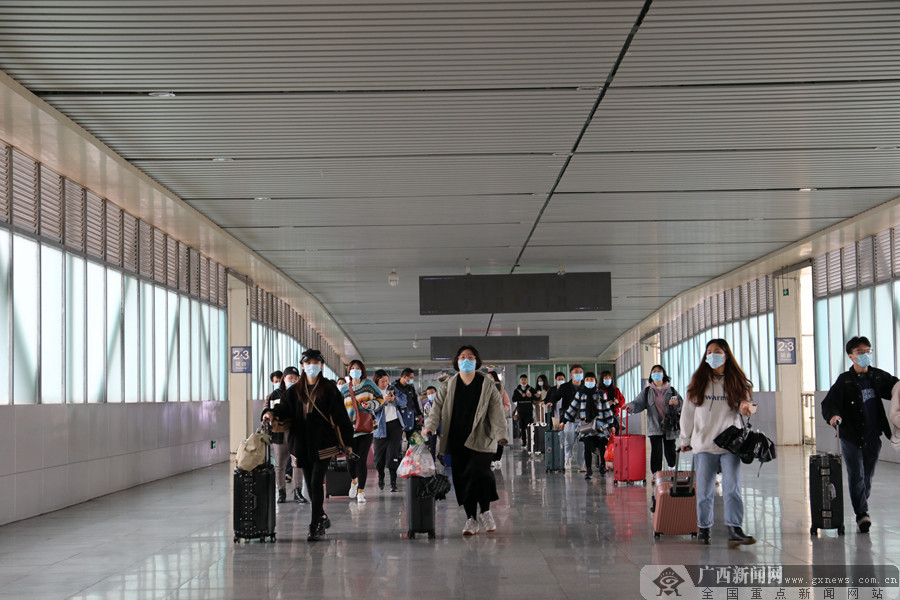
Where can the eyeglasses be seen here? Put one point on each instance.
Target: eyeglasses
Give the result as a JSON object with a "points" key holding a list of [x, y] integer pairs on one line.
{"points": [[467, 357], [860, 351]]}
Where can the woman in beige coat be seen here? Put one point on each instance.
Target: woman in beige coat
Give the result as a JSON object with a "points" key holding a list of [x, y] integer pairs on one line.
{"points": [[469, 409]]}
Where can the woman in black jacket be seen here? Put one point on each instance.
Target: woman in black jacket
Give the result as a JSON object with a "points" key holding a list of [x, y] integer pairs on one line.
{"points": [[319, 423]]}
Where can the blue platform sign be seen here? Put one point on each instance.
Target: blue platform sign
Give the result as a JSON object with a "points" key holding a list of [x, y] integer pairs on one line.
{"points": [[240, 359], [785, 351]]}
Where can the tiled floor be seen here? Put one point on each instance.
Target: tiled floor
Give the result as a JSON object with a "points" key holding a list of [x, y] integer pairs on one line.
{"points": [[558, 537]]}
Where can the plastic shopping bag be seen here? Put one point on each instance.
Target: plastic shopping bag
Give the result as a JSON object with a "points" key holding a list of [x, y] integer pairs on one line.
{"points": [[417, 462]]}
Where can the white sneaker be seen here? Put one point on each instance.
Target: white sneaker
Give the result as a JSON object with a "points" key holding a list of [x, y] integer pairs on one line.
{"points": [[487, 521], [361, 497], [471, 527], [353, 488]]}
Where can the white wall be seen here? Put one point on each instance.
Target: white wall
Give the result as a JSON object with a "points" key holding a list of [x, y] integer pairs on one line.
{"points": [[53, 456]]}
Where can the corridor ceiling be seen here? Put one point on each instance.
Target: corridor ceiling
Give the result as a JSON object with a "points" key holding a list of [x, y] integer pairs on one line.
{"points": [[667, 141]]}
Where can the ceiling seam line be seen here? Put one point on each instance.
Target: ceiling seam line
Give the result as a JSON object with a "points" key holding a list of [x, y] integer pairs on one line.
{"points": [[606, 85]]}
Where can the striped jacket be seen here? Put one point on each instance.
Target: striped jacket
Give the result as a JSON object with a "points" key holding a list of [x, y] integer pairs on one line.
{"points": [[605, 412], [366, 391]]}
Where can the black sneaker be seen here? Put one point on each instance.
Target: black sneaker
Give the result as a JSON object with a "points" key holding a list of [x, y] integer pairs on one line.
{"points": [[863, 522], [326, 522], [298, 497], [316, 532], [587, 476], [703, 535], [393, 486], [381, 484], [282, 496], [737, 537]]}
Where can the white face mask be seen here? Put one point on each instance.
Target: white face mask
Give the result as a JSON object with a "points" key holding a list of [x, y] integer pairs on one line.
{"points": [[355, 373], [560, 381], [431, 397]]}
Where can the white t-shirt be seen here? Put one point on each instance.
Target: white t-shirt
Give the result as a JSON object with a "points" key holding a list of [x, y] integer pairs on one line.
{"points": [[390, 409]]}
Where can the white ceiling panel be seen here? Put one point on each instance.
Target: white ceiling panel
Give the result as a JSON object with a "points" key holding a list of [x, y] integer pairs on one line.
{"points": [[357, 137]]}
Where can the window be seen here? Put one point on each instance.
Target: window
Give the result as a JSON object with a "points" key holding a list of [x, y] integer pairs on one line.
{"points": [[96, 332], [52, 326], [76, 330], [26, 318], [114, 318]]}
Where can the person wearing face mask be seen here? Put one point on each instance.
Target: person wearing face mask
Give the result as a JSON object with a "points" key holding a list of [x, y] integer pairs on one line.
{"points": [[367, 396], [315, 407], [552, 400], [656, 399], [404, 387], [523, 398], [541, 392], [427, 404], [855, 403], [280, 450], [469, 411], [719, 393], [591, 407], [607, 384], [388, 431], [567, 391], [497, 462]]}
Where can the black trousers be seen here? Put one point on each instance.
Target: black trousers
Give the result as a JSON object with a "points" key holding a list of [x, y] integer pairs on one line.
{"points": [[594, 449], [315, 481], [357, 468], [474, 481], [524, 431], [658, 444], [387, 450]]}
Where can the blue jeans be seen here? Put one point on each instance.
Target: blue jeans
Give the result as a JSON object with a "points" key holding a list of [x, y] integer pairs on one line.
{"points": [[860, 463], [571, 444], [707, 465]]}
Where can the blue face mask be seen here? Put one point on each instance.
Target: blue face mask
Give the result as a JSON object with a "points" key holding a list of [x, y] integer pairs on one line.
{"points": [[656, 376], [577, 377], [312, 371], [590, 384], [715, 360], [607, 382], [864, 360], [467, 365], [288, 384], [355, 373]]}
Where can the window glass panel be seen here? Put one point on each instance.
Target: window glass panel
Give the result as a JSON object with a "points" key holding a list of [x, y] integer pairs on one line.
{"points": [[134, 374], [223, 355], [5, 263], [156, 342], [835, 337], [114, 336], [25, 320], [184, 349], [866, 307], [213, 326], [770, 344], [148, 372], [851, 316], [96, 332], [820, 334], [883, 338], [196, 373], [76, 338], [172, 316], [204, 353], [52, 326]]}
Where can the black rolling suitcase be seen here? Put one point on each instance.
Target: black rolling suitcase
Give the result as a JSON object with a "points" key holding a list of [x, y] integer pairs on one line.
{"points": [[254, 502], [419, 511], [826, 491], [538, 431], [337, 477]]}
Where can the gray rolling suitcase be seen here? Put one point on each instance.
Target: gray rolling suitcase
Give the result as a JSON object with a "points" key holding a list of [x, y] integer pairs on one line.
{"points": [[553, 451]]}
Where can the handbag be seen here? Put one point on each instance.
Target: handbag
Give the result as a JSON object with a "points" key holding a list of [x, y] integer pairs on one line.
{"points": [[672, 419], [747, 444], [365, 422], [340, 448], [251, 453]]}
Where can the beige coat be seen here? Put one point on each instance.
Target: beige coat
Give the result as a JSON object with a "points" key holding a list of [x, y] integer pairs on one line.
{"points": [[489, 426]]}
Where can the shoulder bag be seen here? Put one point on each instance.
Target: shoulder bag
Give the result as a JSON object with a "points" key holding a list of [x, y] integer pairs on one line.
{"points": [[365, 421], [338, 449]]}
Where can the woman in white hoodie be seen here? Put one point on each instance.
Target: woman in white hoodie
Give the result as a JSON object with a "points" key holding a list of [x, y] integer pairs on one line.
{"points": [[718, 394]]}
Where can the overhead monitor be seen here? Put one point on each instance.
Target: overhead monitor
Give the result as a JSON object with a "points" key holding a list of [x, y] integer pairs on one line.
{"points": [[494, 347], [525, 293]]}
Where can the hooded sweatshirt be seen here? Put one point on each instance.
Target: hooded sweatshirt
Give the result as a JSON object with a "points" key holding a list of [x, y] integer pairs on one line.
{"points": [[701, 424]]}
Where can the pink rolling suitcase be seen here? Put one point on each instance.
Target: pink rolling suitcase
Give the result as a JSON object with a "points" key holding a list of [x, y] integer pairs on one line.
{"points": [[675, 503]]}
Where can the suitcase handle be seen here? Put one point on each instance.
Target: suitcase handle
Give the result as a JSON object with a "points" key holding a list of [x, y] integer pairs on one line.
{"points": [[252, 501], [837, 435]]}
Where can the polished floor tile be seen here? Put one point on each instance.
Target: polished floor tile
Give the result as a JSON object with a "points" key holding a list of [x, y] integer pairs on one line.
{"points": [[558, 536]]}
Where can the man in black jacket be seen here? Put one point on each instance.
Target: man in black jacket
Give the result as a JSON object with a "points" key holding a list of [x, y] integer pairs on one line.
{"points": [[523, 398], [855, 402], [406, 387]]}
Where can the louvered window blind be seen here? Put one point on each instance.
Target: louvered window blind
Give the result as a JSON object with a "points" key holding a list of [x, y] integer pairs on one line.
{"points": [[51, 205], [24, 186]]}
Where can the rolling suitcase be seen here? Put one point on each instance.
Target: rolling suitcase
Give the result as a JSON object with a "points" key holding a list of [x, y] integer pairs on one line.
{"points": [[554, 452], [629, 457], [254, 501], [826, 491], [420, 517], [674, 504], [538, 431], [337, 477]]}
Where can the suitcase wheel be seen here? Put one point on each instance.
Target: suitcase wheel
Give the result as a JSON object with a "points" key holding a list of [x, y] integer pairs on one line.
{"points": [[431, 534], [615, 484], [272, 538], [813, 531], [841, 530], [411, 535], [693, 535], [656, 535]]}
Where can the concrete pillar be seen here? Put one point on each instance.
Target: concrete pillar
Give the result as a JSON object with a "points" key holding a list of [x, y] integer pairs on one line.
{"points": [[239, 399], [789, 397]]}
